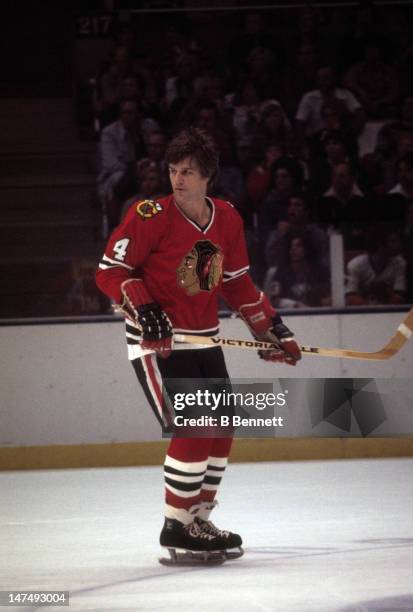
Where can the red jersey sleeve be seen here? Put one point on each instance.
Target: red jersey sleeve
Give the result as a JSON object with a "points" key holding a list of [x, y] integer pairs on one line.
{"points": [[127, 249], [237, 286]]}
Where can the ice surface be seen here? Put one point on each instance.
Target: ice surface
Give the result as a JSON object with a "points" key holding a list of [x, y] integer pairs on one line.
{"points": [[319, 537]]}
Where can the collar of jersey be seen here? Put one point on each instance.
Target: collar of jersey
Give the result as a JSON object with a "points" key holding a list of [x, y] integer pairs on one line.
{"points": [[198, 227]]}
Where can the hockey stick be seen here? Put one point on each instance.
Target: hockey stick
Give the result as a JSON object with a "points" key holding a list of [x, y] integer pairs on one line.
{"points": [[403, 333]]}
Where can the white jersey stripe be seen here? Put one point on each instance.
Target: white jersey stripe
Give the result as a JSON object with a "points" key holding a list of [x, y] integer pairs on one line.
{"points": [[196, 332], [106, 259], [153, 384], [133, 336], [227, 280], [236, 272]]}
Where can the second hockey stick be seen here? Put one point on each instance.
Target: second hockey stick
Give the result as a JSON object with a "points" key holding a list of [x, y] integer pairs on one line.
{"points": [[403, 333]]}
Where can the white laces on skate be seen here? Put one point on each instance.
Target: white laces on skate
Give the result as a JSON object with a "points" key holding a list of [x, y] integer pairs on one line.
{"points": [[196, 531], [209, 527]]}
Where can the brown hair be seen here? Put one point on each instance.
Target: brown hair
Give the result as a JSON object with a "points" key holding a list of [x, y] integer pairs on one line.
{"points": [[197, 144]]}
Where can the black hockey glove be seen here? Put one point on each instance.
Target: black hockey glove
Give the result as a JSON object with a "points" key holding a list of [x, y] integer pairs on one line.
{"points": [[281, 335], [156, 329], [267, 326], [154, 323]]}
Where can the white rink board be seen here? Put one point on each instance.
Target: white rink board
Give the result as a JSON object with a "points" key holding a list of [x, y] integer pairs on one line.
{"points": [[72, 383]]}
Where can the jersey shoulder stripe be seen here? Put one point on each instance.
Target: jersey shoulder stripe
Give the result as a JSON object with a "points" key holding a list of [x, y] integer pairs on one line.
{"points": [[235, 274], [106, 263]]}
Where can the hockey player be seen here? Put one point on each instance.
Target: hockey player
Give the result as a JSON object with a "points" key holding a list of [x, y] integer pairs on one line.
{"points": [[165, 265]]}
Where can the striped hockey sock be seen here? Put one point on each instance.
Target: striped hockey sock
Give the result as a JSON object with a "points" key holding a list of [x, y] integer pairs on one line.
{"points": [[183, 482], [213, 476]]}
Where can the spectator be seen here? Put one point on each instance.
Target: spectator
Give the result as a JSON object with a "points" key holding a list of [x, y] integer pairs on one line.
{"points": [[120, 145], [138, 88], [273, 127], [155, 146], [254, 34], [378, 276], [288, 178], [243, 108], [179, 87], [382, 175], [299, 77], [206, 107], [126, 37], [209, 89], [246, 154], [229, 184], [298, 220], [390, 135], [344, 208], [301, 281], [260, 176], [305, 29], [110, 84], [148, 183], [309, 118], [337, 123], [375, 84], [364, 26], [330, 149], [380, 170], [207, 118], [129, 87], [262, 72], [205, 115], [393, 207]]}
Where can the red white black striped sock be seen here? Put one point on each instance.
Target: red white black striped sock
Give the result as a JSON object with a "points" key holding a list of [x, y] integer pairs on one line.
{"points": [[183, 482], [193, 470]]}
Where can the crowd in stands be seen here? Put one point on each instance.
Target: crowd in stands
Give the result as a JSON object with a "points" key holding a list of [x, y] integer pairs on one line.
{"points": [[286, 112]]}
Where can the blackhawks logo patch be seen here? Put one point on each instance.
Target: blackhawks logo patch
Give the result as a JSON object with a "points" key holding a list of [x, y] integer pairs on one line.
{"points": [[201, 268], [148, 208]]}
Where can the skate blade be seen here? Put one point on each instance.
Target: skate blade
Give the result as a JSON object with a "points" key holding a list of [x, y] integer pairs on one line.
{"points": [[234, 553], [191, 558]]}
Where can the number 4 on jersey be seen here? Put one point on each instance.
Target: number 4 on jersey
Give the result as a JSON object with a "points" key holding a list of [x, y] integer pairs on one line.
{"points": [[120, 248]]}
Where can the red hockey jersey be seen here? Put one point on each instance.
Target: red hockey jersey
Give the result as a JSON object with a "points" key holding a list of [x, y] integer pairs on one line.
{"points": [[184, 267]]}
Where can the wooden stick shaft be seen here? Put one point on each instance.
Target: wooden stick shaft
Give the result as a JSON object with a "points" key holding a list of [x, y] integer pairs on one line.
{"points": [[257, 345], [403, 333]]}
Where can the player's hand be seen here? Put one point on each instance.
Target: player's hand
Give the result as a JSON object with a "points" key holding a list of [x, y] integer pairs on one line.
{"points": [[156, 329], [289, 352], [154, 323], [269, 327]]}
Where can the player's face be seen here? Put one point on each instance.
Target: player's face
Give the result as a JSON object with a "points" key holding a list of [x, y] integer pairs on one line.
{"points": [[188, 184]]}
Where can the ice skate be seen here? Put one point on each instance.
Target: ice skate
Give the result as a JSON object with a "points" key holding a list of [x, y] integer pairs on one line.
{"points": [[229, 542], [190, 545]]}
